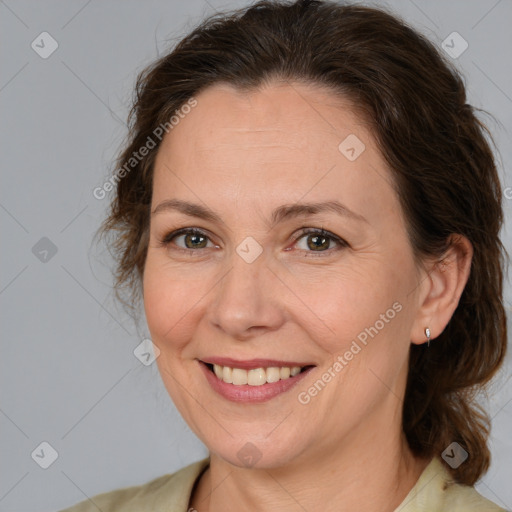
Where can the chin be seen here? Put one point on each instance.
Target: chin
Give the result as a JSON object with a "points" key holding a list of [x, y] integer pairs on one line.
{"points": [[255, 451]]}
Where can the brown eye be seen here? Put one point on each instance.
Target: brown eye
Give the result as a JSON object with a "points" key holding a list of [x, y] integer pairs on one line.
{"points": [[317, 240], [195, 241], [188, 239]]}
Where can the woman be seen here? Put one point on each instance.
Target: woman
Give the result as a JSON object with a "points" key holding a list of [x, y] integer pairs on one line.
{"points": [[310, 212]]}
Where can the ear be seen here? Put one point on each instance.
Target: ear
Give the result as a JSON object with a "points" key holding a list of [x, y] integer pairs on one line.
{"points": [[440, 289]]}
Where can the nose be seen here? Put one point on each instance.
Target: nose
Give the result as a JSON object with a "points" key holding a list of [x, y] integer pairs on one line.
{"points": [[246, 300]]}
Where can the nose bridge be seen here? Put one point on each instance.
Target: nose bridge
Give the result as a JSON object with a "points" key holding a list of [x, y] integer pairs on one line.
{"points": [[244, 300]]}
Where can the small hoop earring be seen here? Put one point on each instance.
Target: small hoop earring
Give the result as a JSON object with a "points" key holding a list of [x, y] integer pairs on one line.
{"points": [[427, 334]]}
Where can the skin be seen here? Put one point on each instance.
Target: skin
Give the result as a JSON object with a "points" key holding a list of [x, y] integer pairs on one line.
{"points": [[243, 154]]}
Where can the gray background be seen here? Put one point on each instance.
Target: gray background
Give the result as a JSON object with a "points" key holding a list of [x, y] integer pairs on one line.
{"points": [[68, 373]]}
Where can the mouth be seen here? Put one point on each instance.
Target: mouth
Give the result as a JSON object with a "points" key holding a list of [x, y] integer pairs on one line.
{"points": [[255, 376], [252, 381]]}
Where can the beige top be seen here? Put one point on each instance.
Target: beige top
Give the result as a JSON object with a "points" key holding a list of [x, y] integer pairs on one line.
{"points": [[433, 492]]}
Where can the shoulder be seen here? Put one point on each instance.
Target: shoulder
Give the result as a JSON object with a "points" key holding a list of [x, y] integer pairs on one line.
{"points": [[157, 495], [435, 490], [464, 498]]}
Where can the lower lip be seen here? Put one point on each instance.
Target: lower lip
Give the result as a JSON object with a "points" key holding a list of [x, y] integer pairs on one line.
{"points": [[251, 394]]}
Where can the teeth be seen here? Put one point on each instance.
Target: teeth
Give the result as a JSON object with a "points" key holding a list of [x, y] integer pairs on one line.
{"points": [[273, 374], [239, 377], [284, 372], [218, 371], [295, 371], [227, 374], [256, 376]]}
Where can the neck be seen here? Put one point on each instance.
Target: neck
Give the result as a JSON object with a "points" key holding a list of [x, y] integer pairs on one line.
{"points": [[372, 472]]}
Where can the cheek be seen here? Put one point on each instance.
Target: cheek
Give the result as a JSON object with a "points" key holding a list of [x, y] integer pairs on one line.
{"points": [[343, 303], [371, 325], [172, 305]]}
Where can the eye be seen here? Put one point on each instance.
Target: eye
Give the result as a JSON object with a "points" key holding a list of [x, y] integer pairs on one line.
{"points": [[188, 239], [319, 240], [310, 240]]}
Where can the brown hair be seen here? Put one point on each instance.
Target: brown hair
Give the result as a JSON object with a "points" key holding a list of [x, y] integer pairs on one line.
{"points": [[436, 148]]}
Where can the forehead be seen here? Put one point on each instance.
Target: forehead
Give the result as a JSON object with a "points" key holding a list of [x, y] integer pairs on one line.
{"points": [[292, 112], [283, 141]]}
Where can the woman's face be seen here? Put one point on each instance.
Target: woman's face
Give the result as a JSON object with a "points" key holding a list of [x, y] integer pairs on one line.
{"points": [[251, 281]]}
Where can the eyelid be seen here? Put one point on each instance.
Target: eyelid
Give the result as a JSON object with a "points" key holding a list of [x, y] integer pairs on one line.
{"points": [[168, 237], [322, 232], [303, 231]]}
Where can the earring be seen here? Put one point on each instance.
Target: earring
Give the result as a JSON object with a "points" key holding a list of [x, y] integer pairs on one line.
{"points": [[427, 334]]}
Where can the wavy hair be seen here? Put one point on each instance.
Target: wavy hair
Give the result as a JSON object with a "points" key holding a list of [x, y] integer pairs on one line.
{"points": [[436, 147]]}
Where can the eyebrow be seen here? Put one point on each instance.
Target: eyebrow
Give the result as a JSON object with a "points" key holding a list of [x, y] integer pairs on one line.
{"points": [[280, 214]]}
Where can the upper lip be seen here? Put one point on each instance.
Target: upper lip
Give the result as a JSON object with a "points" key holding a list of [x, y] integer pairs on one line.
{"points": [[250, 364]]}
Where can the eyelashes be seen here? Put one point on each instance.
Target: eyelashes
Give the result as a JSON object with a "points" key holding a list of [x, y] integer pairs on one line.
{"points": [[312, 240], [320, 239], [197, 237]]}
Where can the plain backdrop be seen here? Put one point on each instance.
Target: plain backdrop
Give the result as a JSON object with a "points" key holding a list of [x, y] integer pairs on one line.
{"points": [[69, 376]]}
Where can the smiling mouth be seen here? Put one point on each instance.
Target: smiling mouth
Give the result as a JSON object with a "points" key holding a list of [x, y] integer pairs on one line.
{"points": [[255, 376]]}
